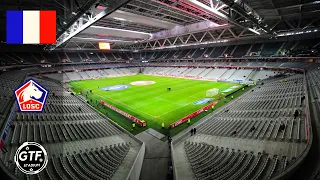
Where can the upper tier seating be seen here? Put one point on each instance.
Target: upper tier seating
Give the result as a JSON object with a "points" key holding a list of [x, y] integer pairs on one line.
{"points": [[229, 50], [256, 47], [199, 52], [241, 75], [241, 50], [91, 74], [314, 82], [217, 52], [303, 48], [270, 49]]}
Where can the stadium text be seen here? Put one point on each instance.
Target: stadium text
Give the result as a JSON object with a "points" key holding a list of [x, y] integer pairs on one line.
{"points": [[23, 156], [30, 106]]}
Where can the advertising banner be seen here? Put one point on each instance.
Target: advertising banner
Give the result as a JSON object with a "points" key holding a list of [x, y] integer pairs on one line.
{"points": [[194, 114], [132, 118]]}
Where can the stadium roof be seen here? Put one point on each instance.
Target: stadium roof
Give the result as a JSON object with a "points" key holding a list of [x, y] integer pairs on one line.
{"points": [[157, 24]]}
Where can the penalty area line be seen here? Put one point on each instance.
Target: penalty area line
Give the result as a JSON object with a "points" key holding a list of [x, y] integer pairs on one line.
{"points": [[161, 99], [174, 110]]}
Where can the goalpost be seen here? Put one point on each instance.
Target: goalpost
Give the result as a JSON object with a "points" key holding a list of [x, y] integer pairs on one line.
{"points": [[212, 92]]}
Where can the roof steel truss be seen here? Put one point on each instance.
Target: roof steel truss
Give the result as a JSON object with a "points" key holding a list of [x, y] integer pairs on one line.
{"points": [[86, 20]]}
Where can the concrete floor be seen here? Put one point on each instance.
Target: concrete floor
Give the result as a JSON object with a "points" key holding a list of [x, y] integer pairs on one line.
{"points": [[157, 157]]}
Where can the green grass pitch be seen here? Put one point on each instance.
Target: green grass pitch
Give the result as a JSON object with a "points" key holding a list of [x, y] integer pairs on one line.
{"points": [[152, 103]]}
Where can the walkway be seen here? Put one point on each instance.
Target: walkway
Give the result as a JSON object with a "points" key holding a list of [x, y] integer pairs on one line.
{"points": [[156, 159]]}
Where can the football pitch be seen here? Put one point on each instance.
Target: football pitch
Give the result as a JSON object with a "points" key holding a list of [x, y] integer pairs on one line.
{"points": [[148, 98]]}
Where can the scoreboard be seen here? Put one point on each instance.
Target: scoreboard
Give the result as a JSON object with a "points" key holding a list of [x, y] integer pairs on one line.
{"points": [[104, 46]]}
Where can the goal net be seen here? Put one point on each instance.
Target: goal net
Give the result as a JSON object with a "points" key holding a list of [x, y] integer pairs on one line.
{"points": [[212, 92]]}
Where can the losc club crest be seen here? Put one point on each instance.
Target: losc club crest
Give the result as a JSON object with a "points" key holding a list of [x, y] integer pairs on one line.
{"points": [[31, 96]]}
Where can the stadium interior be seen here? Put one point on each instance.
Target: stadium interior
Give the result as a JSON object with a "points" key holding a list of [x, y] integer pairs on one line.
{"points": [[167, 89]]}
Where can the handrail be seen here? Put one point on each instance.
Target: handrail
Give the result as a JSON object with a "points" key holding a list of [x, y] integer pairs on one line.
{"points": [[307, 111]]}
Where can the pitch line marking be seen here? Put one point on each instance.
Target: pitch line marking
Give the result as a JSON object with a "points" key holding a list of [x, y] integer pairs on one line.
{"points": [[174, 91], [168, 101], [173, 110], [157, 97], [125, 105]]}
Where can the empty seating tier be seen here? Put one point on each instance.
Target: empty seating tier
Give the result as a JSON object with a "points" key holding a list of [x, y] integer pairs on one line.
{"points": [[80, 142], [256, 136], [214, 162]]}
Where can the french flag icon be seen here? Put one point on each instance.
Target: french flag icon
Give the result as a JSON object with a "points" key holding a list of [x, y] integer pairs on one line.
{"points": [[31, 27]]}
